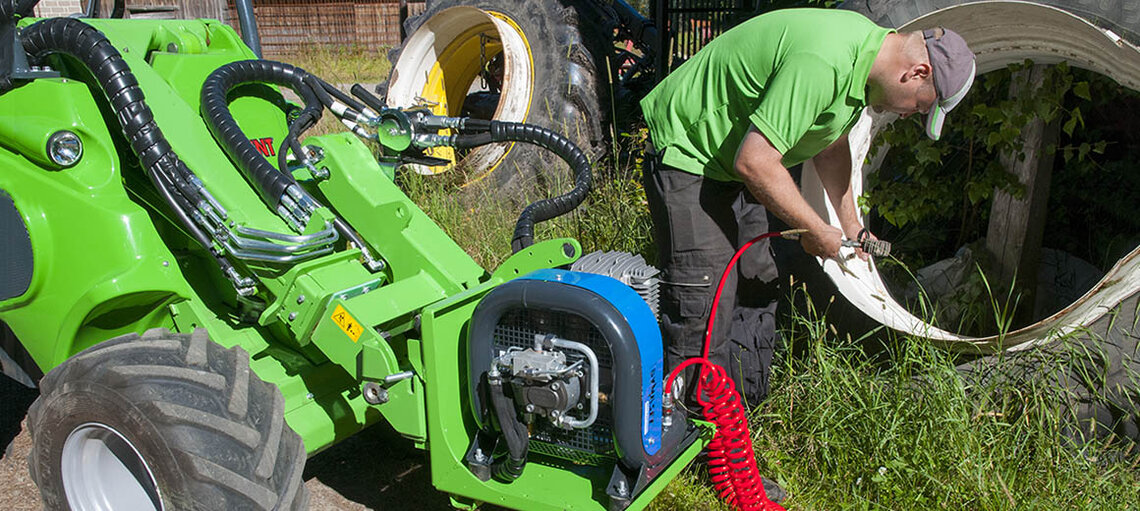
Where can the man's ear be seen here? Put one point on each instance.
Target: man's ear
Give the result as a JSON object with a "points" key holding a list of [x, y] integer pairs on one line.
{"points": [[921, 70]]}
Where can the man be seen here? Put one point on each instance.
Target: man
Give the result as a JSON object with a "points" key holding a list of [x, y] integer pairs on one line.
{"points": [[777, 90]]}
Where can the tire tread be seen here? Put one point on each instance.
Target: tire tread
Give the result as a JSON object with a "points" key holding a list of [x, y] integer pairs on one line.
{"points": [[225, 428]]}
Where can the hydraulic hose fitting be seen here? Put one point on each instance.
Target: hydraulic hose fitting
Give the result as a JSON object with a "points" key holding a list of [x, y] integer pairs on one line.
{"points": [[425, 140]]}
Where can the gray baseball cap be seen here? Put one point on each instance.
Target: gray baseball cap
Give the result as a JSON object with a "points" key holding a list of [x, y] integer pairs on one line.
{"points": [[953, 68]]}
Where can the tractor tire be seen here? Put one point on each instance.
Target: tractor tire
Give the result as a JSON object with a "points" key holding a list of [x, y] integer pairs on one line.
{"points": [[163, 421], [554, 76]]}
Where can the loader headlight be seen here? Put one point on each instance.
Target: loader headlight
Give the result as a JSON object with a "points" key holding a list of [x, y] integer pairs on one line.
{"points": [[64, 148]]}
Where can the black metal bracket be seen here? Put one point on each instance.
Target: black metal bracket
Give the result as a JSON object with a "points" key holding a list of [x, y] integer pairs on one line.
{"points": [[13, 61]]}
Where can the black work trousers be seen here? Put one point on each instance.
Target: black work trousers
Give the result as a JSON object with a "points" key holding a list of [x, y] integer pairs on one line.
{"points": [[699, 224]]}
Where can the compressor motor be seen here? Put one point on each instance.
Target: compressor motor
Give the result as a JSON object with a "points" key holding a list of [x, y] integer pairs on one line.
{"points": [[568, 366]]}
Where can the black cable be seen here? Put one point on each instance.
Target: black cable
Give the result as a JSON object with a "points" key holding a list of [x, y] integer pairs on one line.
{"points": [[183, 218], [323, 95], [290, 142], [471, 125]]}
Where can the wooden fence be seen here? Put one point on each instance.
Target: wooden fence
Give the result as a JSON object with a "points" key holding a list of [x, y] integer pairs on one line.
{"points": [[285, 26]]}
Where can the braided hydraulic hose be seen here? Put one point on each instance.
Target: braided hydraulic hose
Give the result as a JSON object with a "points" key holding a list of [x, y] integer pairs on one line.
{"points": [[732, 461], [545, 209]]}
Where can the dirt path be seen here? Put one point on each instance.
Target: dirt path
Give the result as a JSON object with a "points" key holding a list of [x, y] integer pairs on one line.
{"points": [[373, 470]]}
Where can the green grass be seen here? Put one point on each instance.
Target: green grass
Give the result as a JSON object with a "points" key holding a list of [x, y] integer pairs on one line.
{"points": [[342, 67], [345, 65], [613, 217], [843, 428]]}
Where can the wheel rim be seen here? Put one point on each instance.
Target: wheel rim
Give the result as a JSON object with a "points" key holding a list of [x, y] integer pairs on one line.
{"points": [[103, 471], [439, 66]]}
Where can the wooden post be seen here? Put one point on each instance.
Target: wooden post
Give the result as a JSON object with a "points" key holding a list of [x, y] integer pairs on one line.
{"points": [[1017, 226]]}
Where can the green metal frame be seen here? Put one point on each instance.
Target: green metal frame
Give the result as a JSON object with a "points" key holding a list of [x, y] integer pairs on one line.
{"points": [[108, 261]]}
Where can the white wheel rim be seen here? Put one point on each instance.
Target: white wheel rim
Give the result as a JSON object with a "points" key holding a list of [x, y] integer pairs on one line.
{"points": [[103, 471], [420, 59]]}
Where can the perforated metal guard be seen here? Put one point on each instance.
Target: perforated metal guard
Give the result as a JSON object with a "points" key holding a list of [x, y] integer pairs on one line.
{"points": [[15, 250], [593, 445]]}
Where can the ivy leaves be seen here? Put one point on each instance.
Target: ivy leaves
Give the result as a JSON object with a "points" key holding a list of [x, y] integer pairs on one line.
{"points": [[948, 181]]}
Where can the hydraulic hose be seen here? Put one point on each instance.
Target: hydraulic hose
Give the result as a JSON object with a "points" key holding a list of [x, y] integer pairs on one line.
{"points": [[545, 209], [269, 182], [732, 461], [88, 45], [341, 96]]}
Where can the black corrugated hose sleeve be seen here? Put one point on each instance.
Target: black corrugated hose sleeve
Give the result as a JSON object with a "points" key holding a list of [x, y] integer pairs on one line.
{"points": [[92, 48], [547, 208], [269, 182]]}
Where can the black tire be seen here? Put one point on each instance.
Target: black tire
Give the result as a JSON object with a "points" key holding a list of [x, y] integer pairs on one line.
{"points": [[566, 41], [211, 434]]}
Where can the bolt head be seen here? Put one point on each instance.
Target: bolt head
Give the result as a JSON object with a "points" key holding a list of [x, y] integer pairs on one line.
{"points": [[374, 394]]}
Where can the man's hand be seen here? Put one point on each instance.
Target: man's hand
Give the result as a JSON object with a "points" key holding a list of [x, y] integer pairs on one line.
{"points": [[823, 241], [866, 235]]}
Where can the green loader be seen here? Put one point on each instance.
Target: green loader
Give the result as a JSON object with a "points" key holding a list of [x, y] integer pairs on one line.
{"points": [[212, 297]]}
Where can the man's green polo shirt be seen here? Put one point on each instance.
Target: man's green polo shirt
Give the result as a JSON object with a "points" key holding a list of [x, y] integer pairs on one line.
{"points": [[798, 75]]}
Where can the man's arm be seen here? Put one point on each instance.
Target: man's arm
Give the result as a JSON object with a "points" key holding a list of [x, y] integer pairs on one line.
{"points": [[833, 165], [758, 163]]}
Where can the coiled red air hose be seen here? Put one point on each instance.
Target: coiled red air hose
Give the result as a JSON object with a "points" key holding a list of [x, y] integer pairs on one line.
{"points": [[732, 462]]}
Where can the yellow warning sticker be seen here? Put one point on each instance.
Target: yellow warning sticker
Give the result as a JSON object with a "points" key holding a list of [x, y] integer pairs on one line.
{"points": [[345, 321]]}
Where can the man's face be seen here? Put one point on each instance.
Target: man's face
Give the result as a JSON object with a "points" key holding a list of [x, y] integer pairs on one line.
{"points": [[906, 98]]}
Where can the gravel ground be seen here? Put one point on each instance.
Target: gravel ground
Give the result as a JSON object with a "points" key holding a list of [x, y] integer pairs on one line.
{"points": [[376, 469]]}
